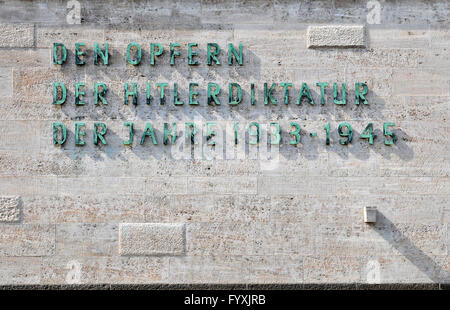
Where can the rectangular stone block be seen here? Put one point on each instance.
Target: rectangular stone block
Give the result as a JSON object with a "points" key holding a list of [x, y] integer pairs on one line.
{"points": [[425, 82], [27, 186], [145, 239], [134, 270], [357, 238], [229, 185], [97, 239], [405, 37], [336, 36], [25, 58], [46, 36], [234, 238], [413, 209], [20, 270], [10, 209], [283, 239], [84, 209], [27, 240], [6, 82], [104, 185], [16, 35], [103, 270], [331, 269], [269, 269], [207, 269], [14, 135]]}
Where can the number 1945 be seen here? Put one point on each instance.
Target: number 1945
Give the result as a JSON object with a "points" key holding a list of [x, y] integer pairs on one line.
{"points": [[346, 132]]}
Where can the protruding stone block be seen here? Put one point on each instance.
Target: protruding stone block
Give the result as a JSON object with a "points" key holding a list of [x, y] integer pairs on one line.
{"points": [[336, 36], [9, 209], [145, 239], [370, 214], [16, 35], [27, 240]]}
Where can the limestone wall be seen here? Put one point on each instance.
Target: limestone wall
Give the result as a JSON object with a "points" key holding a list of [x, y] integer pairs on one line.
{"points": [[76, 214]]}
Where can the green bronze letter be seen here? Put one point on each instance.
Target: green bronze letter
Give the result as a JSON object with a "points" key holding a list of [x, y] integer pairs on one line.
{"points": [[268, 94], [59, 60], [63, 133], [99, 134], [322, 91], [62, 87], [153, 53], [286, 91], [193, 93], [232, 52], [162, 96], [210, 134], [277, 133], [138, 53], [129, 93], [360, 93], [295, 133], [191, 54], [305, 92], [79, 133], [98, 52], [173, 53], [172, 133], [175, 95], [256, 133], [212, 55], [148, 131], [212, 94], [79, 53], [131, 133], [99, 94], [79, 93], [191, 134], [335, 94], [236, 86]]}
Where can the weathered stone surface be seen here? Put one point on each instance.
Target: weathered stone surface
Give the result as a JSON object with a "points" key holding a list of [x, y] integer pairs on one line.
{"points": [[10, 209], [219, 238], [336, 36], [401, 269], [296, 219], [6, 82], [134, 270], [207, 269], [28, 186], [143, 239], [25, 57], [46, 36], [102, 269], [79, 240], [402, 37], [272, 269], [20, 270], [16, 35], [332, 269], [27, 240], [432, 82]]}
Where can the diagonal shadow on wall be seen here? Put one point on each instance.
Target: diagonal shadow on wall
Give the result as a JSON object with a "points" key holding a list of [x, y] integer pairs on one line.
{"points": [[389, 231]]}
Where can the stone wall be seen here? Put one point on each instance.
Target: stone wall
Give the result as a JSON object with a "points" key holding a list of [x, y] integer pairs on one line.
{"points": [[138, 214]]}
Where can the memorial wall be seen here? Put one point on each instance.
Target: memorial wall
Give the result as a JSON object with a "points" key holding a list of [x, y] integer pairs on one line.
{"points": [[224, 142]]}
